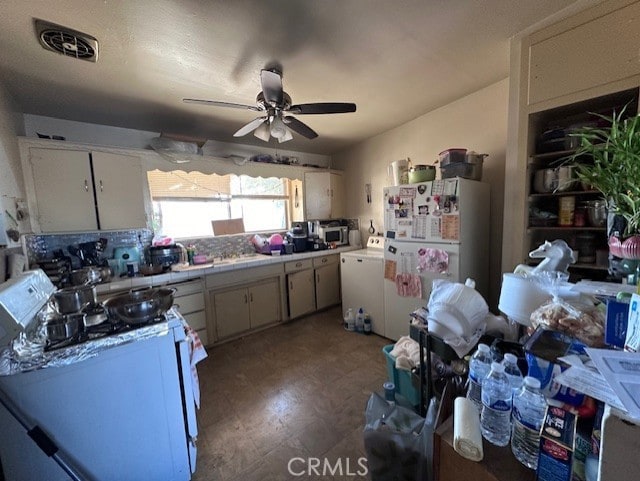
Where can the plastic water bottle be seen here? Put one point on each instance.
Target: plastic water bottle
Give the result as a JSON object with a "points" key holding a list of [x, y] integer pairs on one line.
{"points": [[479, 367], [511, 369], [495, 420], [529, 408], [360, 320]]}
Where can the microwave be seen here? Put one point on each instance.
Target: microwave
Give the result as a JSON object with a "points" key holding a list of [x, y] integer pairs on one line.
{"points": [[336, 234]]}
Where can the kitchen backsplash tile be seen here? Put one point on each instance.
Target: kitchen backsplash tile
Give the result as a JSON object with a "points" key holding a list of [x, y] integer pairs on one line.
{"points": [[41, 246]]}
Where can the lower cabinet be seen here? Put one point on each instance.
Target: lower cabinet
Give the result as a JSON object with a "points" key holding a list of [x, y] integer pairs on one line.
{"points": [[300, 287], [247, 307], [302, 296], [327, 282]]}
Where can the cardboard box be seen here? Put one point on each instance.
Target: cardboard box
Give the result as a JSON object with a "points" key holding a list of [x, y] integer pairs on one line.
{"points": [[615, 327], [557, 444], [542, 351]]}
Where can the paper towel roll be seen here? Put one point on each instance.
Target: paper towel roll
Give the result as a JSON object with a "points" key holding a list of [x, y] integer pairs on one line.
{"points": [[467, 438]]}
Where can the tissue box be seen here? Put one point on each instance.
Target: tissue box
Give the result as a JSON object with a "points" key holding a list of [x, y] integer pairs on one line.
{"points": [[542, 351], [615, 327], [557, 443]]}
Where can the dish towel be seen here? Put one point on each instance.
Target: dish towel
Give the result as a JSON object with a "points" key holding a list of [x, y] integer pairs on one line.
{"points": [[409, 285], [467, 438], [196, 354]]}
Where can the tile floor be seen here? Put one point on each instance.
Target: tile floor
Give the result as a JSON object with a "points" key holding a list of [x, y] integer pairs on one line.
{"points": [[295, 390]]}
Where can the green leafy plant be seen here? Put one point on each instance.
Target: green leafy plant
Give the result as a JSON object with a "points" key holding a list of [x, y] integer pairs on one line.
{"points": [[615, 167]]}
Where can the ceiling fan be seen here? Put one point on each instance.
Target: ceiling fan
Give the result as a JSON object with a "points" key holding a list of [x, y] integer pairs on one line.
{"points": [[275, 107]]}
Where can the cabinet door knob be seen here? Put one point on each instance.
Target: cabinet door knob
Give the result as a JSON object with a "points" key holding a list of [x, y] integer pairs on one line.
{"points": [[245, 299], [251, 297], [318, 278], [291, 285], [86, 185], [324, 259], [101, 186]]}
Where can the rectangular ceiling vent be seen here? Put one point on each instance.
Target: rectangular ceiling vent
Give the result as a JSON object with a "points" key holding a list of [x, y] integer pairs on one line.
{"points": [[66, 41]]}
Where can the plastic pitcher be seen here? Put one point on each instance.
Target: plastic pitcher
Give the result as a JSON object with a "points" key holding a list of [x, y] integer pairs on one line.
{"points": [[399, 171]]}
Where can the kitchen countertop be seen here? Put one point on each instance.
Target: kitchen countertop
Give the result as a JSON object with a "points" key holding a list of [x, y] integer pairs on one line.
{"points": [[185, 272]]}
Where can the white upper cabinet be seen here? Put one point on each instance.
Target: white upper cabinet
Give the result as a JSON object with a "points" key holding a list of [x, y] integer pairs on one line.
{"points": [[119, 190], [323, 195], [75, 190]]}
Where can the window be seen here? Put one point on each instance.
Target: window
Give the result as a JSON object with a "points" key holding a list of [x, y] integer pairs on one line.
{"points": [[185, 203]]}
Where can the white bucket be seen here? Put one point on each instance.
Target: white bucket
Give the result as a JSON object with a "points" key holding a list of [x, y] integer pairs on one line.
{"points": [[399, 171], [520, 296]]}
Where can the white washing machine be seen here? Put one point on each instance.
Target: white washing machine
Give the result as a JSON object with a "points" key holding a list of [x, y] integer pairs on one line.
{"points": [[362, 280]]}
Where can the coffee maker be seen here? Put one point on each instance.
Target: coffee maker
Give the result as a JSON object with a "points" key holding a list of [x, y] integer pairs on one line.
{"points": [[297, 236]]}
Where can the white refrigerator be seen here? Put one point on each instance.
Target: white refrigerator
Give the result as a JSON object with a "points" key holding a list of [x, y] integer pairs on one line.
{"points": [[433, 230]]}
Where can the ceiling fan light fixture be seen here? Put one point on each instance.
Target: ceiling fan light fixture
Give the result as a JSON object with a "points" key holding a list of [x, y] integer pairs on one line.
{"points": [[287, 136], [262, 132], [278, 129]]}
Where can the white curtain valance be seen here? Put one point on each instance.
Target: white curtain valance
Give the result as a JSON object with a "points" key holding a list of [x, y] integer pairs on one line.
{"points": [[216, 165], [152, 160]]}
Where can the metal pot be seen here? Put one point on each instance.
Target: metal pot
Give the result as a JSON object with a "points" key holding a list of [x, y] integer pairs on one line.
{"points": [[567, 179], [60, 329], [165, 256], [94, 315], [596, 212], [132, 309], [74, 299], [86, 275], [545, 181]]}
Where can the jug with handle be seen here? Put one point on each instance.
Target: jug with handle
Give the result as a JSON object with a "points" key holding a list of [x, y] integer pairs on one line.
{"points": [[399, 171]]}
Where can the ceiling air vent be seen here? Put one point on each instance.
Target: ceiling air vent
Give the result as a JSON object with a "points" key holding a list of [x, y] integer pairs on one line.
{"points": [[66, 41]]}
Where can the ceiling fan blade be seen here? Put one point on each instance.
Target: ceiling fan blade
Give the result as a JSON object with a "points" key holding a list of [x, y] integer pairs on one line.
{"points": [[297, 126], [250, 127], [215, 103], [323, 108], [271, 87]]}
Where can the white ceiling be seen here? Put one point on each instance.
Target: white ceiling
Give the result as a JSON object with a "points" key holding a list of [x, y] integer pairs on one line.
{"points": [[396, 59]]}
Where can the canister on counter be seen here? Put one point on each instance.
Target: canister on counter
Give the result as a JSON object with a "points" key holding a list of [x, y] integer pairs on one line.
{"points": [[567, 207]]}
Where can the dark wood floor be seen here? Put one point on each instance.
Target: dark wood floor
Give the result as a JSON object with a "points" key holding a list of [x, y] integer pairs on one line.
{"points": [[298, 390]]}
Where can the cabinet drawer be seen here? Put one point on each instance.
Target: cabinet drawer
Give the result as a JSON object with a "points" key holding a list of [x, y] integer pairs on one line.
{"points": [[189, 287], [298, 265], [325, 260], [190, 303], [196, 320]]}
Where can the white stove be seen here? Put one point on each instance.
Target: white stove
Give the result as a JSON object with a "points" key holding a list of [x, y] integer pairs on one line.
{"points": [[362, 277], [374, 248]]}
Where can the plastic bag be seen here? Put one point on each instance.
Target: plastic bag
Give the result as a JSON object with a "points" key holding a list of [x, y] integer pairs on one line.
{"points": [[398, 442], [576, 317]]}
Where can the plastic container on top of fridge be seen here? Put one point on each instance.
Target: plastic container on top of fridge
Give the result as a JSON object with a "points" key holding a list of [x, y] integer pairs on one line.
{"points": [[467, 166]]}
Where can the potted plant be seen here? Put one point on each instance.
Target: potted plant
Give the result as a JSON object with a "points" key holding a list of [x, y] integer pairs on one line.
{"points": [[610, 163]]}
